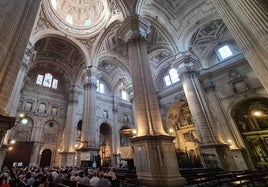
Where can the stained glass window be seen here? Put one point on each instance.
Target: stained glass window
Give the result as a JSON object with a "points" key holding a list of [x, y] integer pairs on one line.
{"points": [[88, 22], [55, 83], [47, 80], [39, 79]]}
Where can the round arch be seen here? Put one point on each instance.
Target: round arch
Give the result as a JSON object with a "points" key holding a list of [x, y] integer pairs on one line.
{"points": [[53, 33], [251, 119]]}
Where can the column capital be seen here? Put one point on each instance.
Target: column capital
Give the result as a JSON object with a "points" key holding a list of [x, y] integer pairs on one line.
{"points": [[133, 28], [186, 64], [73, 94], [90, 75], [29, 56]]}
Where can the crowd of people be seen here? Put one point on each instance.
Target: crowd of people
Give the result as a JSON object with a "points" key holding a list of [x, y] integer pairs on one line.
{"points": [[51, 177]]}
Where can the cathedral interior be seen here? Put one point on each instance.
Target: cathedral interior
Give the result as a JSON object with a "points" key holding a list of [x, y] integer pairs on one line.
{"points": [[155, 85]]}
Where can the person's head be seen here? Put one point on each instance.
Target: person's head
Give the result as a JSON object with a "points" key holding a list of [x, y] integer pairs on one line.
{"points": [[43, 179], [101, 175], [3, 179]]}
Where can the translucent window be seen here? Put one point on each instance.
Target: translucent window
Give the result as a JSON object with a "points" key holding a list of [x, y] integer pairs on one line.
{"points": [[69, 19], [173, 75], [39, 79], [167, 80], [225, 52], [54, 3], [100, 87], [47, 80], [55, 83], [88, 22], [124, 95]]}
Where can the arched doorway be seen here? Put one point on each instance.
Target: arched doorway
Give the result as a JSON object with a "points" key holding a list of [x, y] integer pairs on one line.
{"points": [[251, 118], [106, 145], [45, 158], [179, 123]]}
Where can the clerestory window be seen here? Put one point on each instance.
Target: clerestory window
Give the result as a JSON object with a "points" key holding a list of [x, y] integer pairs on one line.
{"points": [[172, 77], [224, 52], [47, 80]]}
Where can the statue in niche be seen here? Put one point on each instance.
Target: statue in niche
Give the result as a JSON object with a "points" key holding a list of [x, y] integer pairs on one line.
{"points": [[242, 125]]}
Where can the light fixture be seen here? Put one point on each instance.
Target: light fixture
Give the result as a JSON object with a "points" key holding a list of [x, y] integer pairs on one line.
{"points": [[134, 131], [12, 141], [257, 113], [22, 119]]}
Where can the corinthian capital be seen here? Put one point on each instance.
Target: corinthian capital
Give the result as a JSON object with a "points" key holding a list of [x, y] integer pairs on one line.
{"points": [[29, 54], [90, 75], [186, 64], [133, 28]]}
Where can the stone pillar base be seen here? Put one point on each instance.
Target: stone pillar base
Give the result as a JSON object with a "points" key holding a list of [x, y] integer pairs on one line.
{"points": [[86, 155], [242, 159], [223, 156], [67, 158], [155, 161]]}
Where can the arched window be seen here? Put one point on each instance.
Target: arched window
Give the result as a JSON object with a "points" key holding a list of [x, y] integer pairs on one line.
{"points": [[100, 87], [69, 19], [172, 77], [124, 95], [47, 81]]}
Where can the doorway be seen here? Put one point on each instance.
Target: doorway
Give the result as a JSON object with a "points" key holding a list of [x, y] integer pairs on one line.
{"points": [[45, 158]]}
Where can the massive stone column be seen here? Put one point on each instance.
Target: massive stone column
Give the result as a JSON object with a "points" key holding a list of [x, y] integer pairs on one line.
{"points": [[15, 95], [89, 137], [115, 135], [69, 138], [224, 131], [154, 150], [247, 21], [210, 144], [16, 21], [28, 57]]}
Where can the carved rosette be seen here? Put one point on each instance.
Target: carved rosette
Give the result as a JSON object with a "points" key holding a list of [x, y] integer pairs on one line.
{"points": [[134, 28], [90, 75]]}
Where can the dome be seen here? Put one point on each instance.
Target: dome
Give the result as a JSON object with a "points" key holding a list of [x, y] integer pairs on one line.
{"points": [[78, 16]]}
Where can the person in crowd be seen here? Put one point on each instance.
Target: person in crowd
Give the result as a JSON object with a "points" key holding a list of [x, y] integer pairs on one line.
{"points": [[4, 181], [29, 179], [112, 176], [94, 180], [44, 181], [85, 180], [103, 182]]}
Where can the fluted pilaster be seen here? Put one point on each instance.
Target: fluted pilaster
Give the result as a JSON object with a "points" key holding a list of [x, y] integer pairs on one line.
{"points": [[186, 65], [134, 31], [89, 137], [28, 57], [248, 23], [154, 150], [17, 19]]}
